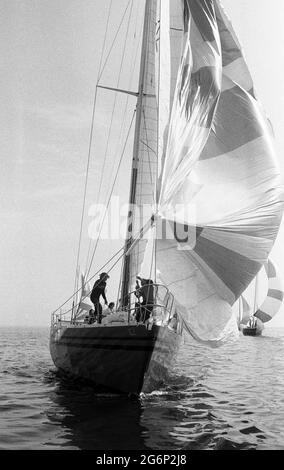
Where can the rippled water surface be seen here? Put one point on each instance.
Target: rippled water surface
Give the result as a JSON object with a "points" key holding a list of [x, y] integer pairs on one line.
{"points": [[228, 398]]}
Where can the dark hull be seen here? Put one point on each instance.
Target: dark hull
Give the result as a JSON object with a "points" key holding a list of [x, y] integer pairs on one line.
{"points": [[127, 359], [251, 331]]}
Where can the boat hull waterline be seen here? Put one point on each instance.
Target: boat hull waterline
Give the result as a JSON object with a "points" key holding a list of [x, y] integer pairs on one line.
{"points": [[127, 359], [251, 332]]}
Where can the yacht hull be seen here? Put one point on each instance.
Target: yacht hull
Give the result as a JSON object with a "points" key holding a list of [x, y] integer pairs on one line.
{"points": [[252, 331], [127, 359]]}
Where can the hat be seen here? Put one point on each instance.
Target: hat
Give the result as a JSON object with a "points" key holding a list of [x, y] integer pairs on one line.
{"points": [[104, 275]]}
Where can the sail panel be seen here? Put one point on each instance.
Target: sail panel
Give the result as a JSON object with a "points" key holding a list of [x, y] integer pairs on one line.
{"points": [[85, 303], [276, 294], [196, 97], [274, 299], [225, 262], [176, 41], [237, 123], [264, 296], [163, 55], [245, 311], [195, 294], [253, 297], [220, 159], [234, 65], [168, 53], [163, 76]]}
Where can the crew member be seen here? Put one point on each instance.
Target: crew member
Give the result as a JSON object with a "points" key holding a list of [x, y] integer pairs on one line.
{"points": [[97, 292], [146, 291]]}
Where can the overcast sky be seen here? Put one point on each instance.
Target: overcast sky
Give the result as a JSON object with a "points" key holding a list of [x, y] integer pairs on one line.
{"points": [[49, 53]]}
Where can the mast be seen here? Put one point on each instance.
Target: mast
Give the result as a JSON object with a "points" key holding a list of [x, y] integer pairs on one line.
{"points": [[134, 171]]}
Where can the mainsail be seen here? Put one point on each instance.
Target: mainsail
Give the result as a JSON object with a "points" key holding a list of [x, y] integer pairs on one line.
{"points": [[205, 149], [144, 165]]}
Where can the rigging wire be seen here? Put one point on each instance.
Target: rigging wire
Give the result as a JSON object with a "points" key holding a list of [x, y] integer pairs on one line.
{"points": [[111, 191], [140, 171], [116, 175], [111, 124], [90, 144], [101, 69], [114, 39], [87, 295], [133, 61], [150, 164], [88, 280], [149, 160], [119, 286], [89, 152], [137, 236], [158, 137]]}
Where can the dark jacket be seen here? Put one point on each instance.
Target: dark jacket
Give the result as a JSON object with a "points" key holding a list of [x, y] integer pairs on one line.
{"points": [[147, 293], [98, 290]]}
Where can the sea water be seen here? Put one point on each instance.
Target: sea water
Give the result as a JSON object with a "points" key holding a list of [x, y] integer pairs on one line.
{"points": [[226, 398]]}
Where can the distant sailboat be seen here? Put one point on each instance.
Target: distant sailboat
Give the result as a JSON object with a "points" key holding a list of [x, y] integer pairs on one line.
{"points": [[203, 161], [259, 313]]}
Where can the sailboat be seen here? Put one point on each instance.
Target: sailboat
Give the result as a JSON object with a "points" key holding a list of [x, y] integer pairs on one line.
{"points": [[260, 308], [204, 163]]}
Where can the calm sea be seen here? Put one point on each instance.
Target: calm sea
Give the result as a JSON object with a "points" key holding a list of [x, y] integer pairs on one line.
{"points": [[228, 398]]}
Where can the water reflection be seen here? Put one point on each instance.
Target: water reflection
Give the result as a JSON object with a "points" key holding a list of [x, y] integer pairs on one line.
{"points": [[220, 399], [181, 416], [88, 420]]}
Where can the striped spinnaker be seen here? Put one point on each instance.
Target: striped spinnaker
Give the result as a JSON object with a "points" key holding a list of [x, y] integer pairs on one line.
{"points": [[274, 299], [220, 159]]}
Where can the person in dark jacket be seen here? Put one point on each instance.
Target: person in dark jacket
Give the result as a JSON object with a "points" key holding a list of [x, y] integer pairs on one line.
{"points": [[98, 291], [146, 291]]}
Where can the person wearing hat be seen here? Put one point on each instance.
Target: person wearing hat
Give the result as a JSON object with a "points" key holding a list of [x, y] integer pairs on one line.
{"points": [[98, 291]]}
